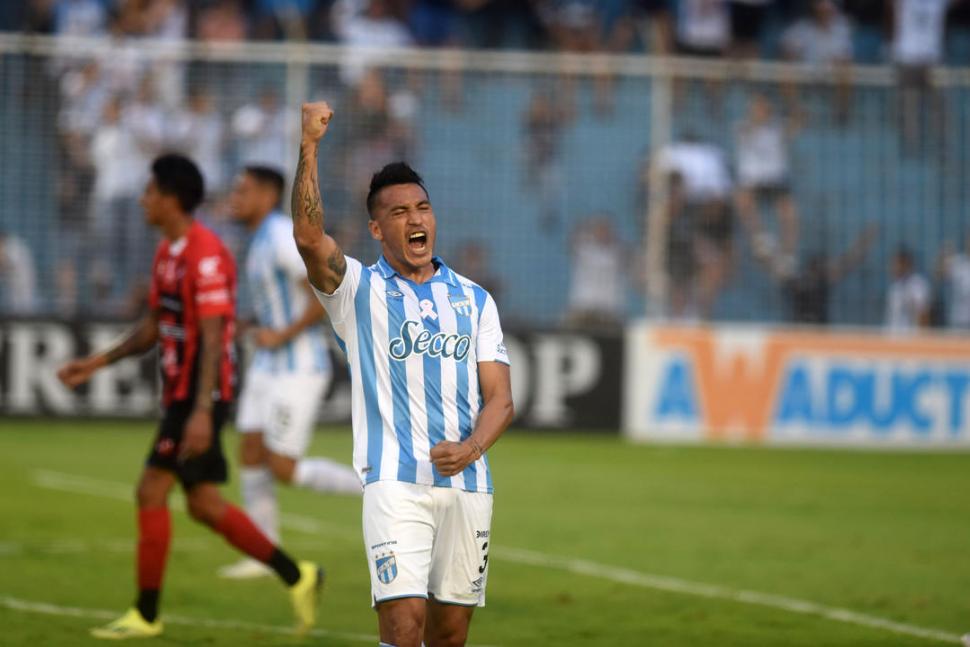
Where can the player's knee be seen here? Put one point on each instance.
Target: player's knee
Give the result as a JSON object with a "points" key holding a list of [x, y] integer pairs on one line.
{"points": [[403, 627], [447, 636], [149, 495], [282, 468], [203, 509], [251, 451]]}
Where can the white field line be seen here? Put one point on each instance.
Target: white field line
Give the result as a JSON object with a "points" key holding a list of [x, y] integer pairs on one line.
{"points": [[713, 591], [26, 606], [124, 545], [119, 491]]}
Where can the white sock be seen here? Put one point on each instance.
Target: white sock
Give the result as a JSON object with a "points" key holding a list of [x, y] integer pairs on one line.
{"points": [[325, 475], [259, 500]]}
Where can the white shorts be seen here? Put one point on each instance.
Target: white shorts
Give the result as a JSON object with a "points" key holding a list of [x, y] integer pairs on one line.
{"points": [[423, 540], [283, 408]]}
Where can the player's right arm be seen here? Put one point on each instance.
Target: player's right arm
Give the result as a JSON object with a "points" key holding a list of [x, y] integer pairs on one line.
{"points": [[139, 340], [323, 258]]}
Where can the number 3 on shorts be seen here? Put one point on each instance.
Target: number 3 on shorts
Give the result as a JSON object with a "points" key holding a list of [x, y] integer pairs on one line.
{"points": [[484, 566]]}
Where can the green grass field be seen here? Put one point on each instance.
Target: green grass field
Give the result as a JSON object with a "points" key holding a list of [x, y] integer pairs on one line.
{"points": [[595, 542]]}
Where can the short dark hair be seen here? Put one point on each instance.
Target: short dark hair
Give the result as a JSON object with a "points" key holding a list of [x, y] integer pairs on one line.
{"points": [[267, 176], [177, 175], [393, 173]]}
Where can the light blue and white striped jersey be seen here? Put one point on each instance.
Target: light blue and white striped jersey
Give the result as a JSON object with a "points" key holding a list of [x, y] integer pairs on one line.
{"points": [[414, 351], [275, 280]]}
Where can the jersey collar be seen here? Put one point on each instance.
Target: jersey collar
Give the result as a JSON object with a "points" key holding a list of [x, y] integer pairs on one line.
{"points": [[264, 226], [443, 273], [176, 247]]}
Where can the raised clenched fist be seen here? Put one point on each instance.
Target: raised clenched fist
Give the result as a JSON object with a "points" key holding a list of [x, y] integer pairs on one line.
{"points": [[316, 116]]}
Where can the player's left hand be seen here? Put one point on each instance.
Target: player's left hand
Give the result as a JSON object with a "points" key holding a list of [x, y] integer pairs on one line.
{"points": [[197, 435], [450, 458], [268, 338]]}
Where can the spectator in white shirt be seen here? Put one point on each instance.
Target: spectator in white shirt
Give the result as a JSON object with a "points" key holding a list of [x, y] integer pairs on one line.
{"points": [[908, 298], [700, 225], [18, 276], [703, 28], [198, 130], [599, 267], [918, 34], [372, 28], [823, 39], [764, 176], [262, 130], [120, 244], [955, 269], [75, 18]]}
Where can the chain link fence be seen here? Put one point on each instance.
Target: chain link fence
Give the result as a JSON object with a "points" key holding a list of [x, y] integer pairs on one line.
{"points": [[581, 190]]}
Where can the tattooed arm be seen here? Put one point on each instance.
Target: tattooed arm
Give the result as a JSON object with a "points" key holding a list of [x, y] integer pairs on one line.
{"points": [[324, 260], [139, 340]]}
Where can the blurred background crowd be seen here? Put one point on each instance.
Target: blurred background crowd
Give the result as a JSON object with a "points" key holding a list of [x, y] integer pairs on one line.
{"points": [[817, 199], [868, 31]]}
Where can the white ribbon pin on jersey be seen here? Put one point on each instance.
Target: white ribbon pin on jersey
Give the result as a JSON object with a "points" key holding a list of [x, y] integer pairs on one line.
{"points": [[427, 309]]}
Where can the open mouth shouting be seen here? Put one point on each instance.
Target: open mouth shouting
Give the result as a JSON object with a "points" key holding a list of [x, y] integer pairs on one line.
{"points": [[418, 241]]}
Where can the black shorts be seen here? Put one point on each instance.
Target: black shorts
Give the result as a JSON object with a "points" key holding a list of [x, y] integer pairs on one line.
{"points": [[210, 467], [770, 191], [714, 221]]}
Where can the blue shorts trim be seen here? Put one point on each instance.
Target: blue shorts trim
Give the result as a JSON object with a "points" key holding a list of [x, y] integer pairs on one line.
{"points": [[400, 597]]}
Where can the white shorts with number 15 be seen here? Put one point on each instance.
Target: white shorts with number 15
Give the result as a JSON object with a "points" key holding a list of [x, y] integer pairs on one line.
{"points": [[282, 407]]}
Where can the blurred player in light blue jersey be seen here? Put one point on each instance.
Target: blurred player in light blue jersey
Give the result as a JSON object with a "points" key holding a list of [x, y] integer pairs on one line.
{"points": [[431, 393], [290, 370]]}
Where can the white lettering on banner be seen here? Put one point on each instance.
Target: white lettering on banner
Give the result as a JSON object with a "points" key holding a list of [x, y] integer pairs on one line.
{"points": [[565, 365], [33, 372], [106, 396]]}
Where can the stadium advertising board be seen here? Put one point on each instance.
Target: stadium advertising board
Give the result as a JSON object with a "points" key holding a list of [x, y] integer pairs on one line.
{"points": [[559, 379], [736, 383]]}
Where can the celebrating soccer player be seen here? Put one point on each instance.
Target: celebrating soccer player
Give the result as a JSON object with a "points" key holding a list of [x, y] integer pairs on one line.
{"points": [[192, 320], [290, 371], [431, 393]]}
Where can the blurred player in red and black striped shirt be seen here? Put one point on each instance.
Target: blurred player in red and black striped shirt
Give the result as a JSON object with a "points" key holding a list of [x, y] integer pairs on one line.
{"points": [[192, 320]]}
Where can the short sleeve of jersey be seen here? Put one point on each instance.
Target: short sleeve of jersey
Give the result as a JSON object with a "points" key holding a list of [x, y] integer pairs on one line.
{"points": [[287, 255], [210, 276], [490, 345], [339, 304]]}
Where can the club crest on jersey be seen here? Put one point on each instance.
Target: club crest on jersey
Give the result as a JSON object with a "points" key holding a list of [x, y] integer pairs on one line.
{"points": [[386, 568], [462, 305], [415, 339]]}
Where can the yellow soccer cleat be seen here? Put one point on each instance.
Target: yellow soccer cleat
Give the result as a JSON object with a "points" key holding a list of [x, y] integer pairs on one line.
{"points": [[305, 595], [130, 625]]}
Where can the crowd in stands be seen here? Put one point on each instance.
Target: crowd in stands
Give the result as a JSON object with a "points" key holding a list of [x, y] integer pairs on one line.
{"points": [[814, 31], [117, 111]]}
